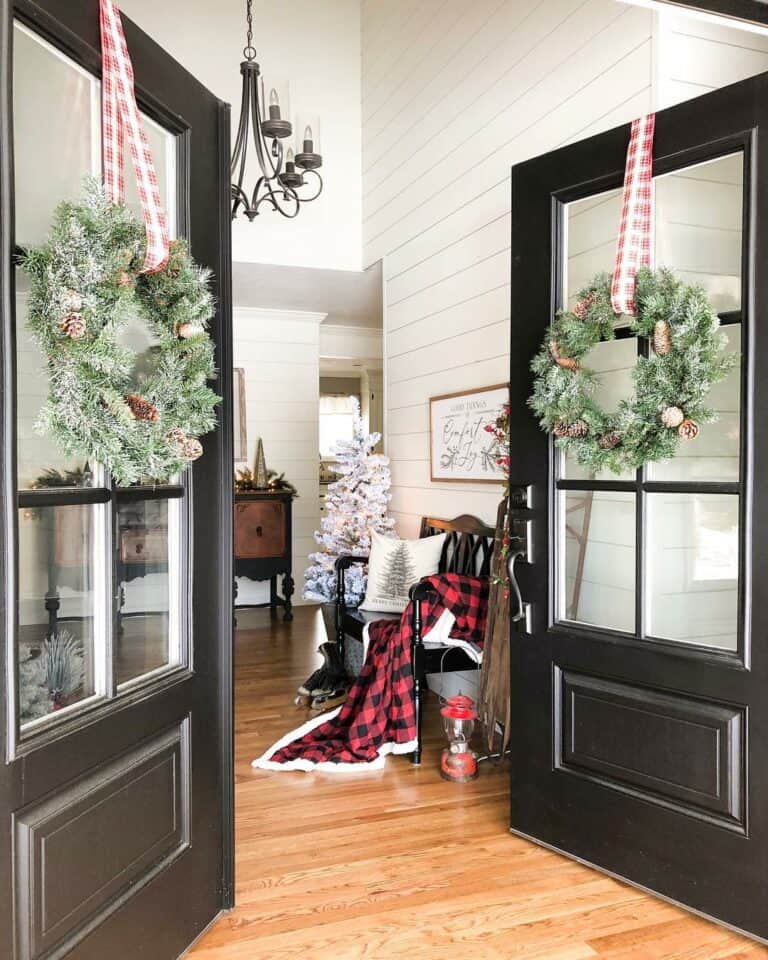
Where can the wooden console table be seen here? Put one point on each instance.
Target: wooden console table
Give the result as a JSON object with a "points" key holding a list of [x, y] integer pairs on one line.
{"points": [[263, 544]]}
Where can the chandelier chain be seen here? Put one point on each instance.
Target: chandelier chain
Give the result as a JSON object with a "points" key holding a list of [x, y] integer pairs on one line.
{"points": [[249, 52]]}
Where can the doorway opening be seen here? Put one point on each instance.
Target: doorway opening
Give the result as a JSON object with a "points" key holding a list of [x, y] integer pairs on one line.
{"points": [[308, 348]]}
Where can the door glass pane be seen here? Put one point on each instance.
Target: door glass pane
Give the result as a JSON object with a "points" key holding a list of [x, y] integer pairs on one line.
{"points": [[40, 462], [597, 558], [148, 615], [692, 568], [698, 227], [60, 632], [56, 115], [698, 214], [715, 453], [613, 361], [591, 229]]}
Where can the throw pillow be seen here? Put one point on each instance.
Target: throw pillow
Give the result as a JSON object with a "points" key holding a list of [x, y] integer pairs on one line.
{"points": [[394, 566]]}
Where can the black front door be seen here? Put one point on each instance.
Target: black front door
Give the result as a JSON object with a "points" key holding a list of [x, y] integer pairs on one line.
{"points": [[640, 715], [115, 798]]}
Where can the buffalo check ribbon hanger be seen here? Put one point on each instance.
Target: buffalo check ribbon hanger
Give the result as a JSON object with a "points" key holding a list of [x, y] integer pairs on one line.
{"points": [[635, 244], [121, 119]]}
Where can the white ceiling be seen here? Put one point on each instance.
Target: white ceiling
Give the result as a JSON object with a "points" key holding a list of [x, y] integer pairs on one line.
{"points": [[350, 298]]}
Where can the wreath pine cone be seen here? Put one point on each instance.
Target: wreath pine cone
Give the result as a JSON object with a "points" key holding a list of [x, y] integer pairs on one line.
{"points": [[672, 417], [141, 408], [567, 363], [190, 448], [688, 429], [609, 440], [71, 301], [575, 430], [73, 326], [662, 338], [186, 331], [582, 308]]}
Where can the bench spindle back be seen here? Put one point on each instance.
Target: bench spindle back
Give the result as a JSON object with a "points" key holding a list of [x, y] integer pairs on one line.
{"points": [[468, 547]]}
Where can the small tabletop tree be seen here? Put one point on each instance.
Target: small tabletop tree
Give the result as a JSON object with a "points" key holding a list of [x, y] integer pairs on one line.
{"points": [[356, 504]]}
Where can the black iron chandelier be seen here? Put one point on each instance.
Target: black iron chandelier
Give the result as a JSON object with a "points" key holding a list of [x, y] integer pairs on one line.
{"points": [[284, 173]]}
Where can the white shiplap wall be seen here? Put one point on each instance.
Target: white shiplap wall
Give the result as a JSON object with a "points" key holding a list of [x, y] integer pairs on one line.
{"points": [[453, 95], [280, 352], [694, 57]]}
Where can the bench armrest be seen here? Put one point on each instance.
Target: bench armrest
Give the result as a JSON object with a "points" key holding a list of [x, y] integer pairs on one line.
{"points": [[419, 591], [349, 560]]}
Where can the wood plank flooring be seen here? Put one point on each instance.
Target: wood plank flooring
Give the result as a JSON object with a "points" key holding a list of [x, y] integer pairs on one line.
{"points": [[399, 863]]}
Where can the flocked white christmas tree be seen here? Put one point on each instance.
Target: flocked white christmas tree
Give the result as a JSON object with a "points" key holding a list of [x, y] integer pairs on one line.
{"points": [[355, 505]]}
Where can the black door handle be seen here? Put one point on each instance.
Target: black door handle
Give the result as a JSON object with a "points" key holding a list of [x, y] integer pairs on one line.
{"points": [[513, 558]]}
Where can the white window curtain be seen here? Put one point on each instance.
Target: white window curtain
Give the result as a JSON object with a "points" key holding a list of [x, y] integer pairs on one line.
{"points": [[336, 422]]}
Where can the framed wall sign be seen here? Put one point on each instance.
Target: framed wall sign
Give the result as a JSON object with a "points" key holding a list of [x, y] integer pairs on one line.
{"points": [[460, 447]]}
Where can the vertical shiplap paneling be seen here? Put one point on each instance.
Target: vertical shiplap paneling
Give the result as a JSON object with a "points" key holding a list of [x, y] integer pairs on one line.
{"points": [[453, 96], [280, 353]]}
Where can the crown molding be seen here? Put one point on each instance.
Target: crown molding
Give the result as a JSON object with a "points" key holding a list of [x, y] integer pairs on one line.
{"points": [[348, 330], [265, 314]]}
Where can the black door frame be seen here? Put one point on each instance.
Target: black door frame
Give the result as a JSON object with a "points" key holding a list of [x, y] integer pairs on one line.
{"points": [[602, 829], [73, 28]]}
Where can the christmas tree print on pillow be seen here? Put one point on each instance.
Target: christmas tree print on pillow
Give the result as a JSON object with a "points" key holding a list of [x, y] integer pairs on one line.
{"points": [[395, 566], [398, 573]]}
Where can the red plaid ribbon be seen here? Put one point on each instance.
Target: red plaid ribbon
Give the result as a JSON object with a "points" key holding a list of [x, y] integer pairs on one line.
{"points": [[635, 233], [120, 116]]}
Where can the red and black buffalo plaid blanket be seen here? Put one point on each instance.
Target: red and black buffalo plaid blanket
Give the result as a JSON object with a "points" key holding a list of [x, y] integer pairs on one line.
{"points": [[378, 716]]}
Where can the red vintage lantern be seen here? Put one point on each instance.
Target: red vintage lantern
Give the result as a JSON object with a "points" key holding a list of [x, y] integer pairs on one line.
{"points": [[458, 761]]}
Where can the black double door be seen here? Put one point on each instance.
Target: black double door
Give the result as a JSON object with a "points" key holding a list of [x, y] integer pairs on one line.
{"points": [[640, 679], [115, 811]]}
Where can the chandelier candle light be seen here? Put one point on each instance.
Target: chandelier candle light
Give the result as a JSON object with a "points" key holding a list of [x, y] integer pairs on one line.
{"points": [[283, 172]]}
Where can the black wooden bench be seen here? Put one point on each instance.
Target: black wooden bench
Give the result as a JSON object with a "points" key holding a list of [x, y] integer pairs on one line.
{"points": [[467, 550]]}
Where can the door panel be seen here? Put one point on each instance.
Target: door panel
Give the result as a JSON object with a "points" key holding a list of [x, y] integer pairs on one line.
{"points": [[611, 732], [638, 694], [61, 891], [117, 803]]}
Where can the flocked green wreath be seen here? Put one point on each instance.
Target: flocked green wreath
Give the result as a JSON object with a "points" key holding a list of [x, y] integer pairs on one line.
{"points": [[685, 358], [86, 285]]}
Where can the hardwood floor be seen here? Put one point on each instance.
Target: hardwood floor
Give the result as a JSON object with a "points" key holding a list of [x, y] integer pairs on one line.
{"points": [[398, 863]]}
